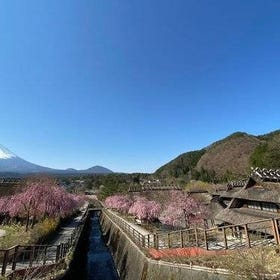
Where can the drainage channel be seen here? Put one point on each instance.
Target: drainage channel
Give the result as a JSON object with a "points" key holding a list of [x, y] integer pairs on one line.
{"points": [[93, 259]]}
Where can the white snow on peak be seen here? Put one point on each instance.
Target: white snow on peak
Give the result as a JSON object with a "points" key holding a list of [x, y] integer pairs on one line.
{"points": [[5, 153]]}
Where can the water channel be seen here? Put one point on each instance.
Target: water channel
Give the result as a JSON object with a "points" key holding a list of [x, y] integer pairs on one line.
{"points": [[93, 260]]}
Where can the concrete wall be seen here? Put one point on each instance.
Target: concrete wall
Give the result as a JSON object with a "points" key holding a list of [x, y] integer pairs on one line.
{"points": [[133, 264]]}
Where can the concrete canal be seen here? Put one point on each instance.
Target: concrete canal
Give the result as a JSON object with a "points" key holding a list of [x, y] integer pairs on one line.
{"points": [[92, 260]]}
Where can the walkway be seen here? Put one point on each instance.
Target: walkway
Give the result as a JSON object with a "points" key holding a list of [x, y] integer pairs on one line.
{"points": [[67, 230], [23, 257], [138, 228]]}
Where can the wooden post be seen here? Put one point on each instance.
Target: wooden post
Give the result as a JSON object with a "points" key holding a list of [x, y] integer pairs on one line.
{"points": [[45, 255], [60, 251], [232, 232], [169, 241], [225, 238], [205, 239], [247, 235], [5, 262], [182, 239], [148, 240], [157, 245], [143, 241], [196, 237], [32, 256], [276, 228], [15, 258], [62, 255], [274, 231], [57, 253], [63, 250]]}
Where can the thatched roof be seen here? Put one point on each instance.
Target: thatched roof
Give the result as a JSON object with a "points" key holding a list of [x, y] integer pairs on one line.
{"points": [[239, 183], [218, 189], [213, 209], [230, 193], [237, 216], [264, 174], [204, 198], [267, 192]]}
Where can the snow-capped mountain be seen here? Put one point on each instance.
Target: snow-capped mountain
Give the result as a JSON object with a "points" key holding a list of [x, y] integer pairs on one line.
{"points": [[9, 162], [5, 153]]}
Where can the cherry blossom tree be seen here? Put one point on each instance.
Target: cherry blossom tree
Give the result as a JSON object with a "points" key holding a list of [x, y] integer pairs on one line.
{"points": [[4, 208], [119, 202], [145, 209], [182, 211], [40, 198]]}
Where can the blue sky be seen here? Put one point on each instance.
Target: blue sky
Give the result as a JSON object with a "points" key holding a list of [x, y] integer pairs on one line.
{"points": [[131, 84]]}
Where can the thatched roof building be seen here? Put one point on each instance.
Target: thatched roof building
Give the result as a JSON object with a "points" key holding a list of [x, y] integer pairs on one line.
{"points": [[257, 199]]}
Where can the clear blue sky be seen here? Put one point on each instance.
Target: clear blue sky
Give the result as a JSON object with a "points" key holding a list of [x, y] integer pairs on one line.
{"points": [[131, 84]]}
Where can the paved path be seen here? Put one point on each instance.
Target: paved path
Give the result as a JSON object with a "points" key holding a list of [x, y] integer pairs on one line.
{"points": [[66, 231], [48, 256], [138, 228]]}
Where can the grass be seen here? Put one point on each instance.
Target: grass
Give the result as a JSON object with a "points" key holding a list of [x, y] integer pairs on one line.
{"points": [[211, 261], [16, 233], [255, 263]]}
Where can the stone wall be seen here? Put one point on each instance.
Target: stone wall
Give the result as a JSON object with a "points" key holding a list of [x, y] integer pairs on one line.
{"points": [[133, 264]]}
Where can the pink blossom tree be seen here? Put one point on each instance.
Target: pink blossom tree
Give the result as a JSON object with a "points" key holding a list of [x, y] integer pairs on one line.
{"points": [[145, 209], [4, 207], [119, 202], [40, 197], [182, 211]]}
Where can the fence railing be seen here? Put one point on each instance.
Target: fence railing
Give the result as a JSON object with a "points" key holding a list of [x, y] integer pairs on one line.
{"points": [[30, 256], [151, 187], [137, 237], [262, 232]]}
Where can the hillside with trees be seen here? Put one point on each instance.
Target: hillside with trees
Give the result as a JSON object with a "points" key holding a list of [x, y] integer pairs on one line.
{"points": [[268, 153], [227, 159]]}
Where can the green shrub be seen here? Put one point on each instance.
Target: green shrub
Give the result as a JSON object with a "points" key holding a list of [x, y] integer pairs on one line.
{"points": [[14, 234], [43, 231]]}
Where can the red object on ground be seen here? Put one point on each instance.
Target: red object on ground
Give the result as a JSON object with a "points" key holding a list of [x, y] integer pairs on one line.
{"points": [[183, 252]]}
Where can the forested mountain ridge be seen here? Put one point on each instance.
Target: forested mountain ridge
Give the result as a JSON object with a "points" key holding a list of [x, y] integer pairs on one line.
{"points": [[226, 159]]}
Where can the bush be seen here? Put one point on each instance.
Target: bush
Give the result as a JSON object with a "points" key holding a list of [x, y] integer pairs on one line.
{"points": [[257, 263], [44, 231], [14, 234]]}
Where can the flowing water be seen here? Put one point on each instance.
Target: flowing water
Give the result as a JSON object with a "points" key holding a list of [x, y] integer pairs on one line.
{"points": [[100, 264], [93, 260]]}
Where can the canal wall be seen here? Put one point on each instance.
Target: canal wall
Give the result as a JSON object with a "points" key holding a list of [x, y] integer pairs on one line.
{"points": [[134, 264]]}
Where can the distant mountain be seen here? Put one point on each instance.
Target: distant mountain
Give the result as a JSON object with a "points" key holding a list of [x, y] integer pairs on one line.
{"points": [[226, 159], [11, 163], [97, 169]]}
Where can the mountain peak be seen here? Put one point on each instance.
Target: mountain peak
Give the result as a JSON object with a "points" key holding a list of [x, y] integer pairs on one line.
{"points": [[9, 162], [5, 153]]}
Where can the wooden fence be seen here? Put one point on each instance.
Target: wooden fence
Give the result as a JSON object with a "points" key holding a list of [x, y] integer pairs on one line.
{"points": [[143, 188], [262, 232], [29, 256]]}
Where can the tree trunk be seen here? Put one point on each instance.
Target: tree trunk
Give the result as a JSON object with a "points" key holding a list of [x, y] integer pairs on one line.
{"points": [[27, 221]]}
